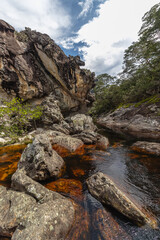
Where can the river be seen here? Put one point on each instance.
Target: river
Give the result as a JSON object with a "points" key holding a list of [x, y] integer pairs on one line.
{"points": [[137, 174]]}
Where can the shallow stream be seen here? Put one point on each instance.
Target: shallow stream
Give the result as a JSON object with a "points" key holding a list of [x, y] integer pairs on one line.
{"points": [[137, 174]]}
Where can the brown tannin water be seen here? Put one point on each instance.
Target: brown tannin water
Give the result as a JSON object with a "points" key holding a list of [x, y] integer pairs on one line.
{"points": [[135, 173]]}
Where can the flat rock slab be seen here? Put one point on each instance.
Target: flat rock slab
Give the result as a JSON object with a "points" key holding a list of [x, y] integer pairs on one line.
{"points": [[132, 121], [39, 160], [147, 147], [106, 191]]}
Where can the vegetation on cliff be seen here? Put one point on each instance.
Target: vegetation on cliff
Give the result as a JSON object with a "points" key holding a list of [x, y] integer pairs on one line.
{"points": [[140, 78], [16, 117]]}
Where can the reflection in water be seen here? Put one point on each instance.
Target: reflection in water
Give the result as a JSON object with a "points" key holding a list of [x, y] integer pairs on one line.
{"points": [[136, 174]]}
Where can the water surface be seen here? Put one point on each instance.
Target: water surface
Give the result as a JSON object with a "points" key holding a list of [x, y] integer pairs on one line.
{"points": [[136, 174]]}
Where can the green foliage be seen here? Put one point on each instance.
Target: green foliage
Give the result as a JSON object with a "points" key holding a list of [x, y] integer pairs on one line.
{"points": [[107, 96], [140, 78], [15, 117], [148, 101]]}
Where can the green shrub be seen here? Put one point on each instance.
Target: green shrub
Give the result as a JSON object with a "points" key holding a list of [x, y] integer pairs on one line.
{"points": [[16, 116]]}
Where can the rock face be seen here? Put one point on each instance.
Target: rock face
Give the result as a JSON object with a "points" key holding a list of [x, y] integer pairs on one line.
{"points": [[80, 122], [52, 113], [34, 213], [63, 140], [106, 191], [32, 66], [140, 122], [39, 160], [147, 147], [21, 182]]}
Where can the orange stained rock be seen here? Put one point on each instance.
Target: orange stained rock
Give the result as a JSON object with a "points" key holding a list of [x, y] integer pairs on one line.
{"points": [[80, 227], [140, 150], [7, 170], [71, 186], [108, 227], [12, 148], [10, 157], [90, 146], [87, 158], [78, 172], [63, 152], [117, 144], [133, 156], [79, 151]]}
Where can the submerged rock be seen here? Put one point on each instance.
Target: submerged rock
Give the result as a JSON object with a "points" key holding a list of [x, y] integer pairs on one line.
{"points": [[39, 160], [147, 147], [106, 191]]}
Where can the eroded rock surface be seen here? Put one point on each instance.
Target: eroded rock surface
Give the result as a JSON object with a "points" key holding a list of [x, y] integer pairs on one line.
{"points": [[139, 122], [23, 218], [68, 142], [21, 182], [106, 191], [39, 160], [32, 66], [51, 111], [81, 122], [90, 137], [147, 147]]}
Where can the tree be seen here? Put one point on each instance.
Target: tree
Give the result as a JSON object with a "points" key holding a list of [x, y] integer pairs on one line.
{"points": [[142, 58], [140, 78]]}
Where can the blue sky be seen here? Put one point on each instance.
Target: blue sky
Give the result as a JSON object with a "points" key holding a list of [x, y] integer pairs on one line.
{"points": [[97, 30]]}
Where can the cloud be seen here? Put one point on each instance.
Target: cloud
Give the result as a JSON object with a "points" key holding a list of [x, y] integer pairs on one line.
{"points": [[109, 34], [86, 6], [46, 16]]}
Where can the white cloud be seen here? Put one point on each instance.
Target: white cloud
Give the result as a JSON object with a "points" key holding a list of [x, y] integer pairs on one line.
{"points": [[46, 16], [109, 34], [86, 5]]}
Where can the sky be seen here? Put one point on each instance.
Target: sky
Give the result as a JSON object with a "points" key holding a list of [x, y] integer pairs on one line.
{"points": [[97, 30]]}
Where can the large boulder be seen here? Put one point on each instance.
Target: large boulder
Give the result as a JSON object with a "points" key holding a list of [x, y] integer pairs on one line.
{"points": [[22, 217], [68, 142], [39, 160], [21, 182], [106, 191], [51, 220], [80, 123], [13, 207], [141, 122], [32, 66], [147, 147]]}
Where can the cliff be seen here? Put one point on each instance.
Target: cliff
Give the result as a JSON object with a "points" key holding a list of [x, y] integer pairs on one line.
{"points": [[32, 66]]}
